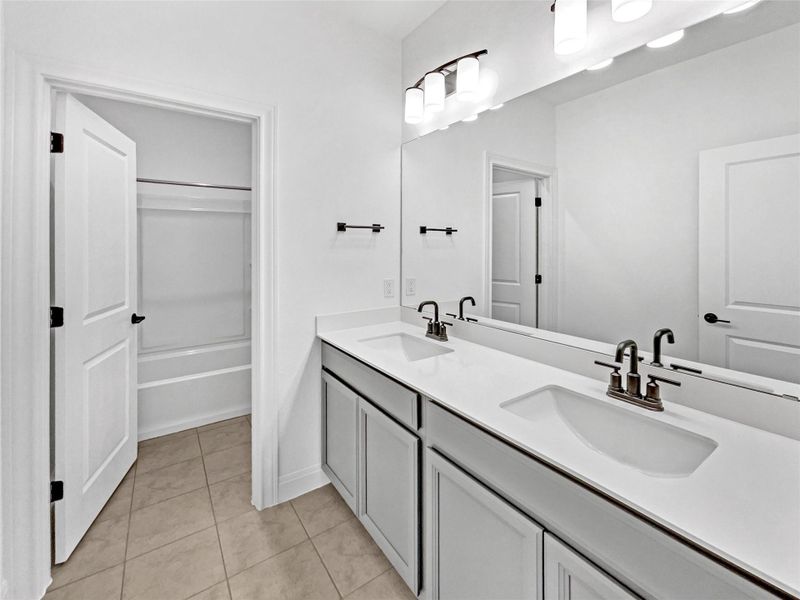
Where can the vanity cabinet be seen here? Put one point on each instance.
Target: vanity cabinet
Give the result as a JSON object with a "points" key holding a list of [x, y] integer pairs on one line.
{"points": [[389, 495], [568, 576], [340, 438], [481, 546], [371, 452]]}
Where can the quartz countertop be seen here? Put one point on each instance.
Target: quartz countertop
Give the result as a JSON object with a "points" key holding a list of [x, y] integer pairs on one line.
{"points": [[742, 503]]}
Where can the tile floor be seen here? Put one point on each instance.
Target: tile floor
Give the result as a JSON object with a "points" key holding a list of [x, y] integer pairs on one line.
{"points": [[180, 525]]}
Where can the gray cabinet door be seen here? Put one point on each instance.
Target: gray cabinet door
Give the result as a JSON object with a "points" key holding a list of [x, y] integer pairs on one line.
{"points": [[481, 546], [340, 438], [389, 503], [569, 576]]}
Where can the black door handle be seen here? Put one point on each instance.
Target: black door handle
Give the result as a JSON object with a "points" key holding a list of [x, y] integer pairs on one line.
{"points": [[136, 319], [712, 318]]}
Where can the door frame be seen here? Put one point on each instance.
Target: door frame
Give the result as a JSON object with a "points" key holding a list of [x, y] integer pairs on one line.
{"points": [[25, 549], [548, 236]]}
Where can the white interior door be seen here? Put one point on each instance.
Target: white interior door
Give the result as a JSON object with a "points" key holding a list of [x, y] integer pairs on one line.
{"points": [[94, 250], [514, 247], [750, 257]]}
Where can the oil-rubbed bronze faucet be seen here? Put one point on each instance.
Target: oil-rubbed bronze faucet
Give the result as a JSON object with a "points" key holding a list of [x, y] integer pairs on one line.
{"points": [[633, 390], [436, 329]]}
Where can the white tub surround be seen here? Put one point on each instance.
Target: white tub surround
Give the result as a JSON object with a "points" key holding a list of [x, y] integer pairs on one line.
{"points": [[741, 504]]}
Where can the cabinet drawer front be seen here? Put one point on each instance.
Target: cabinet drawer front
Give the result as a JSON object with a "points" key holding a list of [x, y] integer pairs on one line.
{"points": [[482, 546], [568, 576], [389, 503], [340, 438], [647, 559], [396, 399]]}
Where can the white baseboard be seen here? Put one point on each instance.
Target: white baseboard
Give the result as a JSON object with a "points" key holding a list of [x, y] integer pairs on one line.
{"points": [[190, 424], [298, 483]]}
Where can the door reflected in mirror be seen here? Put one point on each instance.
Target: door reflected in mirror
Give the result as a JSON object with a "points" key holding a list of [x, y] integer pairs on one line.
{"points": [[661, 191]]}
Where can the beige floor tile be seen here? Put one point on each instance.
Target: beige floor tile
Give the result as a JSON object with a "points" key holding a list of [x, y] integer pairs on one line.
{"points": [[102, 547], [168, 450], [222, 423], [255, 536], [296, 574], [388, 586], [217, 592], [119, 505], [175, 571], [167, 521], [350, 555], [100, 586], [227, 436], [227, 463], [321, 509], [154, 486], [232, 497]]}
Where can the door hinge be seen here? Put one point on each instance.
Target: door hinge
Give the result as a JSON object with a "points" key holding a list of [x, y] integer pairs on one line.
{"points": [[537, 279], [537, 202], [56, 316], [56, 491], [56, 142]]}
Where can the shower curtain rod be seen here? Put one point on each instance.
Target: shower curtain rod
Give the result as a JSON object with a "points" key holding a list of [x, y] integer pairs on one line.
{"points": [[192, 184]]}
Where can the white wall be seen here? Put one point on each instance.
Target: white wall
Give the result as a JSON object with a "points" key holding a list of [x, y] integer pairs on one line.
{"points": [[519, 37], [443, 185], [628, 183], [336, 89]]}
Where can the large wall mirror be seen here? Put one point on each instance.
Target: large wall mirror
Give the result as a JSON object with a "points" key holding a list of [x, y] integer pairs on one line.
{"points": [[670, 198]]}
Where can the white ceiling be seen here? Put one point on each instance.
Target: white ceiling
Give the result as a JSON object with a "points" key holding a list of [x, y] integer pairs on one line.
{"points": [[393, 18]]}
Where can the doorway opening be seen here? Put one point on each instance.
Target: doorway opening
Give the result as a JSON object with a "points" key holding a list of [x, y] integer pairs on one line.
{"points": [[151, 249]]}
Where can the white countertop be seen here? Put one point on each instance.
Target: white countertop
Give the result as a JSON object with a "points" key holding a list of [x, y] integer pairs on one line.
{"points": [[742, 503]]}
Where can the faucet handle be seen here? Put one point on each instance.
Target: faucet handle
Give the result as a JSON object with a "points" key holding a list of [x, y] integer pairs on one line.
{"points": [[653, 392], [615, 379], [654, 378], [615, 365], [451, 315]]}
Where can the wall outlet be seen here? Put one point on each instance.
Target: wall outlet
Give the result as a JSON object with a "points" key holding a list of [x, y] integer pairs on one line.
{"points": [[388, 288], [411, 286]]}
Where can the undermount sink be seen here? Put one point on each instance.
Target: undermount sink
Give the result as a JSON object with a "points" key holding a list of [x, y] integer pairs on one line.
{"points": [[407, 346], [638, 441]]}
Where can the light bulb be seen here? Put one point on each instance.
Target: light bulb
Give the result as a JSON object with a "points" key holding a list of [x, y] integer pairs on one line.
{"points": [[414, 110], [741, 7], [666, 40], [569, 30], [467, 78], [434, 92], [601, 65], [625, 11]]}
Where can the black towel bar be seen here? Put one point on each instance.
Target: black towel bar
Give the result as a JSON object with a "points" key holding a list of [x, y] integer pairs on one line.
{"points": [[447, 230], [375, 227]]}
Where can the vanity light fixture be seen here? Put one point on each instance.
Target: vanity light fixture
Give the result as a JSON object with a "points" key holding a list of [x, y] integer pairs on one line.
{"points": [[666, 40], [461, 75], [625, 11], [414, 110], [601, 65], [569, 29], [741, 7], [470, 119]]}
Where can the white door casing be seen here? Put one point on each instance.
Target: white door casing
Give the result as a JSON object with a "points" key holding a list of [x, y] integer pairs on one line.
{"points": [[749, 266], [513, 252], [95, 351]]}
